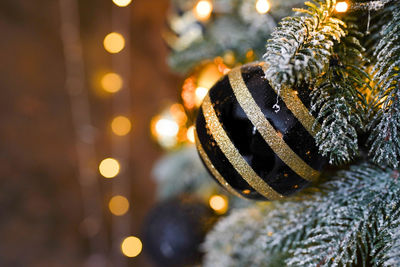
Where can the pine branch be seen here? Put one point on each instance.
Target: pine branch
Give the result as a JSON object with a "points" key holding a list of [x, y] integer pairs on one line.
{"points": [[357, 223], [235, 26], [354, 221], [385, 124], [339, 100], [300, 48]]}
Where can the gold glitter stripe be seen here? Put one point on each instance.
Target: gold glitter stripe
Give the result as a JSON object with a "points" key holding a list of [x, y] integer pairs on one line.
{"points": [[294, 104], [213, 170], [233, 155], [254, 113], [298, 109]]}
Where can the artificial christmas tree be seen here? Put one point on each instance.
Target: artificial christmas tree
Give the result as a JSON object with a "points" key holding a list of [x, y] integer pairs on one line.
{"points": [[349, 68]]}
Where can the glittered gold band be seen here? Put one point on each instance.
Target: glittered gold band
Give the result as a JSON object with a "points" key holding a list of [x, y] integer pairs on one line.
{"points": [[298, 109], [213, 170], [233, 155], [267, 131]]}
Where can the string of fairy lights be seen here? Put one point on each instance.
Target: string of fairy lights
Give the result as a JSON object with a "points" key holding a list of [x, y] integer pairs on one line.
{"points": [[116, 83]]}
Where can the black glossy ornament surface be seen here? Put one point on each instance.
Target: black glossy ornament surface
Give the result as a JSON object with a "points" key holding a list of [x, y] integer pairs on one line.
{"points": [[249, 142], [174, 229]]}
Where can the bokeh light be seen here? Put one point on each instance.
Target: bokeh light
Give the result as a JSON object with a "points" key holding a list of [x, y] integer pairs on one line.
{"points": [[131, 246], [200, 92], [167, 127], [262, 6], [118, 205], [190, 134], [219, 203], [122, 3], [121, 125], [114, 42], [109, 167], [111, 82], [203, 9], [341, 7]]}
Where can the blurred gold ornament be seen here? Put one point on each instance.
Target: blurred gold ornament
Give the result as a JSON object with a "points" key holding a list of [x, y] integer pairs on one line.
{"points": [[114, 42]]}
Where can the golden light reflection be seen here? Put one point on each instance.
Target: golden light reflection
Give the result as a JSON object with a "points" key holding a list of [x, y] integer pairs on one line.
{"points": [[111, 82], [190, 134], [167, 127], [197, 85], [114, 42], [131, 246], [178, 113], [262, 6], [341, 7], [219, 203], [121, 125], [118, 205], [122, 3], [200, 92], [109, 167], [203, 10]]}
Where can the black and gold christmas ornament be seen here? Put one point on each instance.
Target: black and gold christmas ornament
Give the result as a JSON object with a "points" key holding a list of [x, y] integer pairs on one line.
{"points": [[256, 141]]}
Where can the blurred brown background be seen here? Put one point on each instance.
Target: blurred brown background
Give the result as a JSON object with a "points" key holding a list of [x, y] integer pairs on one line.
{"points": [[40, 199]]}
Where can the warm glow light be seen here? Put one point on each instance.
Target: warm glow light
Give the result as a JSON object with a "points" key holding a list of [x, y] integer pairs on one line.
{"points": [[262, 6], [118, 205], [201, 92], [111, 82], [190, 134], [166, 127], [177, 111], [109, 168], [122, 3], [203, 9], [114, 42], [131, 246], [341, 7], [121, 125], [219, 204]]}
